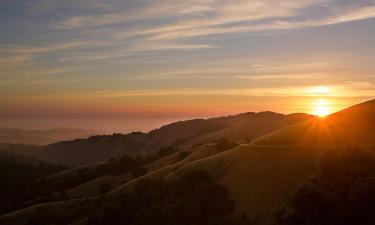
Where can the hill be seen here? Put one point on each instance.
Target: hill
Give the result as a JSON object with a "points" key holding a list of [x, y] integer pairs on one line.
{"points": [[354, 125], [253, 179], [242, 127]]}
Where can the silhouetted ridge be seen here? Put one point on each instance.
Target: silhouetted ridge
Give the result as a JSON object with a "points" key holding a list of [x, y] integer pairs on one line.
{"points": [[241, 127], [353, 125]]}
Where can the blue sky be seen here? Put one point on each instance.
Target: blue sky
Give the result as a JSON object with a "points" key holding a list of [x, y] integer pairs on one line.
{"points": [[187, 58]]}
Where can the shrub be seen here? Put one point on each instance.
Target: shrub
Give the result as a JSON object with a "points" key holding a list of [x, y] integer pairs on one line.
{"points": [[225, 144], [341, 192], [139, 171], [165, 151], [104, 188], [194, 198]]}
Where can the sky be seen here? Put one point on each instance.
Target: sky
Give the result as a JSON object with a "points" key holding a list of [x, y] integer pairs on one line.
{"points": [[165, 60]]}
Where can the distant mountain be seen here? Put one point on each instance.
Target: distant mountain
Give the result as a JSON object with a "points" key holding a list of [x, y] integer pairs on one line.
{"points": [[354, 125], [41, 137], [242, 127]]}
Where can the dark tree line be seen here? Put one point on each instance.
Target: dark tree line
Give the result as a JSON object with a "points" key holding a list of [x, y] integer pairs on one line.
{"points": [[17, 179], [341, 193], [125, 164], [192, 199], [225, 144]]}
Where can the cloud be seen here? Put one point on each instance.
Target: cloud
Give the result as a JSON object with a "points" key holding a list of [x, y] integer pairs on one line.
{"points": [[143, 10], [211, 12], [13, 60], [197, 28], [202, 18], [358, 14], [25, 49], [152, 46], [280, 76], [169, 25], [344, 90], [13, 55]]}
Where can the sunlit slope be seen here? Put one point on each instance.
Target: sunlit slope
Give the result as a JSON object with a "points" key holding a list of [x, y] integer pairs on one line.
{"points": [[351, 126], [245, 126]]}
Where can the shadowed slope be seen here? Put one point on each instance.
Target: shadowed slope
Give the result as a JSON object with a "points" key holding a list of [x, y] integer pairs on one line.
{"points": [[256, 177], [246, 126]]}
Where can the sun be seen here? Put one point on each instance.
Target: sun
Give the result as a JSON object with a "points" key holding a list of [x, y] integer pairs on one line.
{"points": [[322, 108]]}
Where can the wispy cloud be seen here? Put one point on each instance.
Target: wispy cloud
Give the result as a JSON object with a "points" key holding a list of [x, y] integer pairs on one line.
{"points": [[13, 60], [25, 49], [218, 17], [281, 76], [196, 28], [141, 47], [211, 12], [343, 90], [171, 25]]}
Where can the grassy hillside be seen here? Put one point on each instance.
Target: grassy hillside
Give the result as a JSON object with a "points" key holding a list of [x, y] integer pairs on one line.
{"points": [[354, 125], [245, 126], [258, 177], [255, 177]]}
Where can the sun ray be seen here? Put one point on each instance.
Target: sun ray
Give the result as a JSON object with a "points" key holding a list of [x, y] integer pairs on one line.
{"points": [[322, 107]]}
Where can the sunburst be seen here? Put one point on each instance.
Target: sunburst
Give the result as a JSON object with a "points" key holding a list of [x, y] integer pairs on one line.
{"points": [[322, 107]]}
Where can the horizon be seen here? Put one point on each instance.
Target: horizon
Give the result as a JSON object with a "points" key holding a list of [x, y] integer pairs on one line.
{"points": [[126, 125]]}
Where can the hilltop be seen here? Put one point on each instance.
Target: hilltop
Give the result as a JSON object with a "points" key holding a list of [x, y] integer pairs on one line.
{"points": [[352, 126], [242, 127]]}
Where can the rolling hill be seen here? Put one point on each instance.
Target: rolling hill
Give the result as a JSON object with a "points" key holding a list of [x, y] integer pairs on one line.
{"points": [[258, 176], [242, 127], [354, 125], [255, 177]]}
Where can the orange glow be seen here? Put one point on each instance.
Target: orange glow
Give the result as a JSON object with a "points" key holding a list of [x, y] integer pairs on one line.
{"points": [[322, 107]]}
